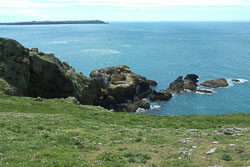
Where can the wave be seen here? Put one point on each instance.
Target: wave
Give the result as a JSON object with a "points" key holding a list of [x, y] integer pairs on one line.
{"points": [[102, 51], [241, 80], [201, 93], [231, 82], [140, 110], [152, 107]]}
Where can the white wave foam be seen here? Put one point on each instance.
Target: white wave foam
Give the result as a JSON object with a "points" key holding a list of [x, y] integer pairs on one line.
{"points": [[152, 107], [205, 93], [140, 110], [57, 42], [241, 80], [186, 90], [102, 51], [231, 82]]}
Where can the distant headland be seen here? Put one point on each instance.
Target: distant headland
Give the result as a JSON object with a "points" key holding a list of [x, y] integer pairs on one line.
{"points": [[56, 22]]}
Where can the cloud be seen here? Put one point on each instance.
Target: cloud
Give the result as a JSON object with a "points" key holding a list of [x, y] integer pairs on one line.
{"points": [[119, 3], [39, 7], [160, 3], [23, 12], [29, 4]]}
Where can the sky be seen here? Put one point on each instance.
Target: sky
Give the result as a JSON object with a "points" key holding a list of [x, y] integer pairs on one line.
{"points": [[125, 10]]}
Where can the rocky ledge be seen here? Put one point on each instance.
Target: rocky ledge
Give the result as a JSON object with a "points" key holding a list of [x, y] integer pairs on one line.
{"points": [[25, 72]]}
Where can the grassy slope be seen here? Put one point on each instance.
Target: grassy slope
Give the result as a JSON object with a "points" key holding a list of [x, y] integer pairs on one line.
{"points": [[57, 133]]}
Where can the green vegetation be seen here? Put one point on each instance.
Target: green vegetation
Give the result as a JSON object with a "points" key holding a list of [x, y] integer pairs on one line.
{"points": [[58, 133]]}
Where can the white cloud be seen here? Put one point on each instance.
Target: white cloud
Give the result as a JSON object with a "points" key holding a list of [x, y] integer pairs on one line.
{"points": [[119, 3], [38, 7], [23, 12], [160, 3], [28, 4]]}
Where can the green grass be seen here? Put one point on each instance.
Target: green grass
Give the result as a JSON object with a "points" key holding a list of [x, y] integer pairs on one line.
{"points": [[57, 133]]}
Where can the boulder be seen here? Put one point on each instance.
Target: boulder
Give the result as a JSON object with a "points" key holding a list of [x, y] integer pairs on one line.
{"points": [[215, 83], [156, 96]]}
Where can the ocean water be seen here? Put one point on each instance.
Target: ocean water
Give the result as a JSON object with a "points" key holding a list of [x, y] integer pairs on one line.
{"points": [[159, 51]]}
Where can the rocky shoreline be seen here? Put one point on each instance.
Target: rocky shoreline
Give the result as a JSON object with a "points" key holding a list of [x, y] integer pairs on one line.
{"points": [[31, 73]]}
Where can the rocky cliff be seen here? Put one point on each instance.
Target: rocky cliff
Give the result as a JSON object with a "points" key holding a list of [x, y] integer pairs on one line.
{"points": [[25, 72]]}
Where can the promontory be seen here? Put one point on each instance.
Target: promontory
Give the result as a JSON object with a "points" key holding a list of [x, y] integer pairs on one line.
{"points": [[56, 22]]}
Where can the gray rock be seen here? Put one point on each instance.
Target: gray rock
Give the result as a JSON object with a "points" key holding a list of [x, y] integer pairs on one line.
{"points": [[177, 85], [39, 99], [130, 106], [235, 80], [189, 83], [230, 131], [204, 91], [211, 151], [121, 87], [156, 96], [215, 83], [73, 100]]}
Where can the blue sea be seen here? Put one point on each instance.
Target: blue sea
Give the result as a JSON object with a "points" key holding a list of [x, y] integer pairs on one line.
{"points": [[160, 51]]}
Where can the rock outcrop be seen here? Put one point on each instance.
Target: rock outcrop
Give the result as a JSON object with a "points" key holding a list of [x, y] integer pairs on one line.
{"points": [[25, 72], [215, 83], [121, 87], [33, 73], [182, 85], [14, 67]]}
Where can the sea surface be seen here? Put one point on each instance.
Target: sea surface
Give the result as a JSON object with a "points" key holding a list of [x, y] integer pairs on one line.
{"points": [[160, 51]]}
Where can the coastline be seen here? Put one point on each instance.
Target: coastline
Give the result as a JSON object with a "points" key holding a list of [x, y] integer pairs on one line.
{"points": [[55, 22]]}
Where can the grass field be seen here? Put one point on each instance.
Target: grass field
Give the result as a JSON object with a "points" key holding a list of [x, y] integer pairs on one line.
{"points": [[57, 133]]}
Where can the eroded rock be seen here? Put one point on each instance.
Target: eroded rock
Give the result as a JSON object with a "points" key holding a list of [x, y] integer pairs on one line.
{"points": [[158, 96], [204, 91], [121, 88], [217, 83], [189, 83]]}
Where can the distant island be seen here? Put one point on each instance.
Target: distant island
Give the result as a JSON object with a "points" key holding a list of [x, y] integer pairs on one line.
{"points": [[55, 22]]}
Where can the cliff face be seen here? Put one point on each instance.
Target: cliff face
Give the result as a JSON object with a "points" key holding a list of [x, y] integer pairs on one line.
{"points": [[14, 67], [25, 72], [33, 73]]}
